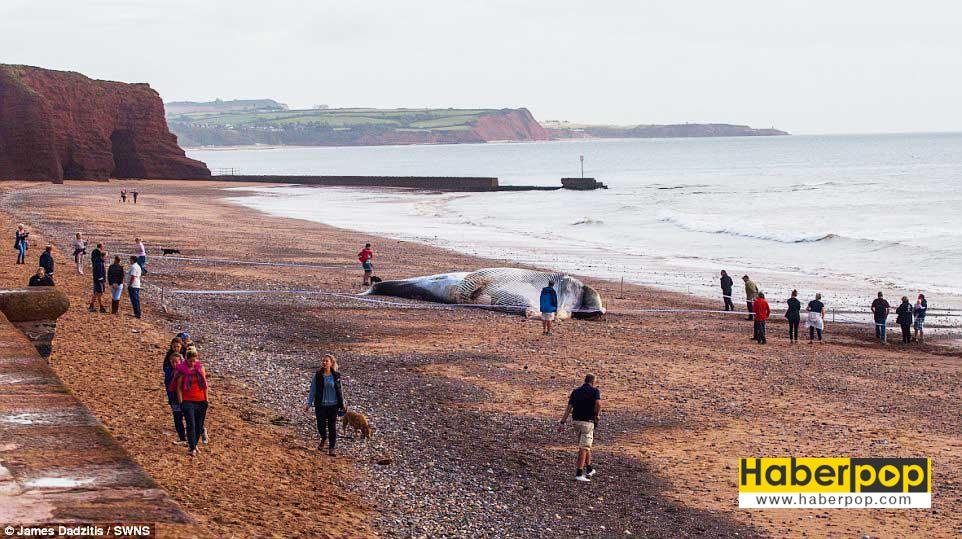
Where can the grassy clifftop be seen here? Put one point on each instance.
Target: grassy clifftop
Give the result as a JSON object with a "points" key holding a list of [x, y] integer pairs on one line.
{"points": [[352, 126], [338, 118]]}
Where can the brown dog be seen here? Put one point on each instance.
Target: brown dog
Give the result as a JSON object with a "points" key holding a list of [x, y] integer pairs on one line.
{"points": [[358, 422]]}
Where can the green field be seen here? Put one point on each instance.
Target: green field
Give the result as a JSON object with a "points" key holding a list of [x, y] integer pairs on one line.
{"points": [[427, 119], [238, 123]]}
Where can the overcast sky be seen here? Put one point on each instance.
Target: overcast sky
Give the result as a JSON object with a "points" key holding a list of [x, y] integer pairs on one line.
{"points": [[834, 66]]}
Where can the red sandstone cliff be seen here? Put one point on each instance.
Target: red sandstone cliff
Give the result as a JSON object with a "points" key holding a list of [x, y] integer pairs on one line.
{"points": [[57, 125], [510, 124]]}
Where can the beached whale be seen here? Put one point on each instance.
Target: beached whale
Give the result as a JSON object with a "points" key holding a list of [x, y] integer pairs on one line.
{"points": [[510, 288]]}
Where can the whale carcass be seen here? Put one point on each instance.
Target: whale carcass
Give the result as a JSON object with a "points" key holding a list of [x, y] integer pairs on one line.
{"points": [[509, 288]]}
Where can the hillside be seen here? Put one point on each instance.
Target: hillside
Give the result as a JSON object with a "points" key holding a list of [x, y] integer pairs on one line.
{"points": [[175, 108], [352, 127]]}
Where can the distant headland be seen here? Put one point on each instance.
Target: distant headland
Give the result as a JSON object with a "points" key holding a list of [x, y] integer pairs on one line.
{"points": [[266, 121], [560, 129]]}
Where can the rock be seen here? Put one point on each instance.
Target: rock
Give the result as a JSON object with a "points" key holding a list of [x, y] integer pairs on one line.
{"points": [[34, 311], [57, 125]]}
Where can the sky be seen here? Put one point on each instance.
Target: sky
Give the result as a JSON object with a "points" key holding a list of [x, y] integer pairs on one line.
{"points": [[812, 66]]}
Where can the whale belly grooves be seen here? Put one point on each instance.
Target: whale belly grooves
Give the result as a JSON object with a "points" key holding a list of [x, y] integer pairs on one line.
{"points": [[510, 288]]}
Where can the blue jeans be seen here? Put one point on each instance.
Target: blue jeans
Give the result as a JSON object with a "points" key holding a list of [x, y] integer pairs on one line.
{"points": [[21, 253], [142, 262], [134, 294], [880, 331]]}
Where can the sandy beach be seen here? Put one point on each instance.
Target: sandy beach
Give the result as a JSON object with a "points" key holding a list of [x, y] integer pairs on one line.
{"points": [[464, 403]]}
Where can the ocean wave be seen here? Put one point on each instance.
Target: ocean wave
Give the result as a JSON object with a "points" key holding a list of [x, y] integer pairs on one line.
{"points": [[588, 221], [695, 225], [662, 187]]}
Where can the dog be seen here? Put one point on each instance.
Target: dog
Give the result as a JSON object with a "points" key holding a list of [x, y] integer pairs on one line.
{"points": [[171, 251], [358, 422], [375, 279]]}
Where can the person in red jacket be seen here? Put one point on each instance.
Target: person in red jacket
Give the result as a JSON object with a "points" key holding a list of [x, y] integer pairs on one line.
{"points": [[365, 256], [762, 312]]}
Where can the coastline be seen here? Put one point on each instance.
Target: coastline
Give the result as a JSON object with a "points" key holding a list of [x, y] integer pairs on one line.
{"points": [[693, 277], [687, 396]]}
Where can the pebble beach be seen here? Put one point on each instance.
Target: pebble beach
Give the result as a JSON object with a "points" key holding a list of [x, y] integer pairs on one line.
{"points": [[464, 403]]}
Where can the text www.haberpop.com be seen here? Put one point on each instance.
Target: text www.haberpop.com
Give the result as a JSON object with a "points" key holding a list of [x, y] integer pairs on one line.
{"points": [[801, 500]]}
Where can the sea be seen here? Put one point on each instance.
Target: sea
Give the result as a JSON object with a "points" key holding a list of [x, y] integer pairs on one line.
{"points": [[842, 215]]}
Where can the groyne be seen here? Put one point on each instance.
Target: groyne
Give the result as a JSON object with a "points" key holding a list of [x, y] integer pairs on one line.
{"points": [[433, 183], [428, 183]]}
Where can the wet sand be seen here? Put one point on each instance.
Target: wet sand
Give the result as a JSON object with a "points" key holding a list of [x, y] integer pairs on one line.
{"points": [[464, 403]]}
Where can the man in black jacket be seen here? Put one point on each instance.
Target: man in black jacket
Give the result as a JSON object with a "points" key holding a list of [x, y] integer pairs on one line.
{"points": [[40, 279], [726, 286], [46, 261], [99, 273], [880, 310]]}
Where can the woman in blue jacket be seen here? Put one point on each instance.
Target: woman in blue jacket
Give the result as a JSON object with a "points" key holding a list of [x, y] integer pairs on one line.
{"points": [[549, 306], [327, 399]]}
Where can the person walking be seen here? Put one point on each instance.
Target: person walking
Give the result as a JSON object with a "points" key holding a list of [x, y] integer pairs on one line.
{"points": [[327, 398], [20, 243], [123, 195], [549, 307], [726, 285], [79, 252], [40, 279], [190, 383], [762, 312], [173, 358], [794, 316], [366, 256], [115, 278], [584, 407], [99, 274], [921, 306], [141, 252], [133, 285], [751, 292], [880, 311], [46, 260], [903, 317], [135, 195], [816, 318]]}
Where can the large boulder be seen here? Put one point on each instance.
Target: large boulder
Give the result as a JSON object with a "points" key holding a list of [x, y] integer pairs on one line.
{"points": [[35, 311]]}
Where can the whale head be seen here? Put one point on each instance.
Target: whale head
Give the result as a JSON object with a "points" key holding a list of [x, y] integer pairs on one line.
{"points": [[591, 304]]}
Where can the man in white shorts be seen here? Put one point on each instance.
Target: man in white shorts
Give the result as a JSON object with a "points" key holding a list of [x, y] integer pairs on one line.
{"points": [[584, 406]]}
